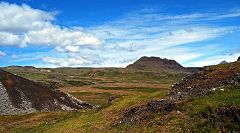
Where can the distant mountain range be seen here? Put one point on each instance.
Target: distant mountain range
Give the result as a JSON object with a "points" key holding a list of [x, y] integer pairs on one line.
{"points": [[19, 95], [160, 65]]}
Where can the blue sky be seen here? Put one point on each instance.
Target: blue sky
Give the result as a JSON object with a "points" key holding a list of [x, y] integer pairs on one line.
{"points": [[104, 33]]}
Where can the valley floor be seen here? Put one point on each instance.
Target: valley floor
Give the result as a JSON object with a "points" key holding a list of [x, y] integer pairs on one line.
{"points": [[197, 115], [116, 92]]}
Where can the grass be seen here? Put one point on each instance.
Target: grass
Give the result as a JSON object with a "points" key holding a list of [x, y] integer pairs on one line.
{"points": [[195, 122], [189, 119], [137, 89], [230, 96], [34, 76], [97, 120], [22, 123], [78, 83], [102, 119], [93, 98], [88, 76]]}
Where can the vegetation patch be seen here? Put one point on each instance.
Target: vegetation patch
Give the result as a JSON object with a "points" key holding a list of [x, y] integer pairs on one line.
{"points": [[94, 98], [137, 89], [78, 83], [33, 76]]}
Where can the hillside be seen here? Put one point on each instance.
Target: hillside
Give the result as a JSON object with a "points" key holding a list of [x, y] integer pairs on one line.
{"points": [[158, 65], [193, 69], [19, 95], [203, 102], [208, 79]]}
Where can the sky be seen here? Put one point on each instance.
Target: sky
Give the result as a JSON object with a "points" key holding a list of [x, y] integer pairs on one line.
{"points": [[115, 33]]}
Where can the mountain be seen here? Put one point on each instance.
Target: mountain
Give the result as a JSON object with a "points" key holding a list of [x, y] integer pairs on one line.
{"points": [[223, 62], [19, 95], [238, 58], [157, 64]]}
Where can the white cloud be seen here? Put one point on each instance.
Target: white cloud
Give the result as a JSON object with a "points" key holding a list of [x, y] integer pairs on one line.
{"points": [[15, 19], [15, 57], [28, 57], [23, 25], [2, 54], [177, 53], [137, 34], [183, 36], [223, 16], [161, 31], [214, 60], [71, 61], [73, 49], [7, 38]]}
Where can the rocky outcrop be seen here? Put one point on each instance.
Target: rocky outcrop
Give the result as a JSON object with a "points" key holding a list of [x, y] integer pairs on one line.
{"points": [[209, 79], [238, 58], [140, 113], [19, 95], [226, 117], [157, 64]]}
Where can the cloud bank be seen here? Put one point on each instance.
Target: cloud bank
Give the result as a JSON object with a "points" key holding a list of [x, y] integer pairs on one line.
{"points": [[21, 25]]}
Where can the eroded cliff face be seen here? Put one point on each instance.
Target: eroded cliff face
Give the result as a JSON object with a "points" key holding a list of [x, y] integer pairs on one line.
{"points": [[19, 95], [6, 107]]}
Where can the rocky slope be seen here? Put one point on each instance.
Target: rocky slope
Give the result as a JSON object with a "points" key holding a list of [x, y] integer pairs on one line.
{"points": [[193, 69], [19, 95], [206, 81], [209, 79], [157, 64]]}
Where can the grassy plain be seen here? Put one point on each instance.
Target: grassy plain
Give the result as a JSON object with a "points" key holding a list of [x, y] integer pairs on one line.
{"points": [[128, 89]]}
